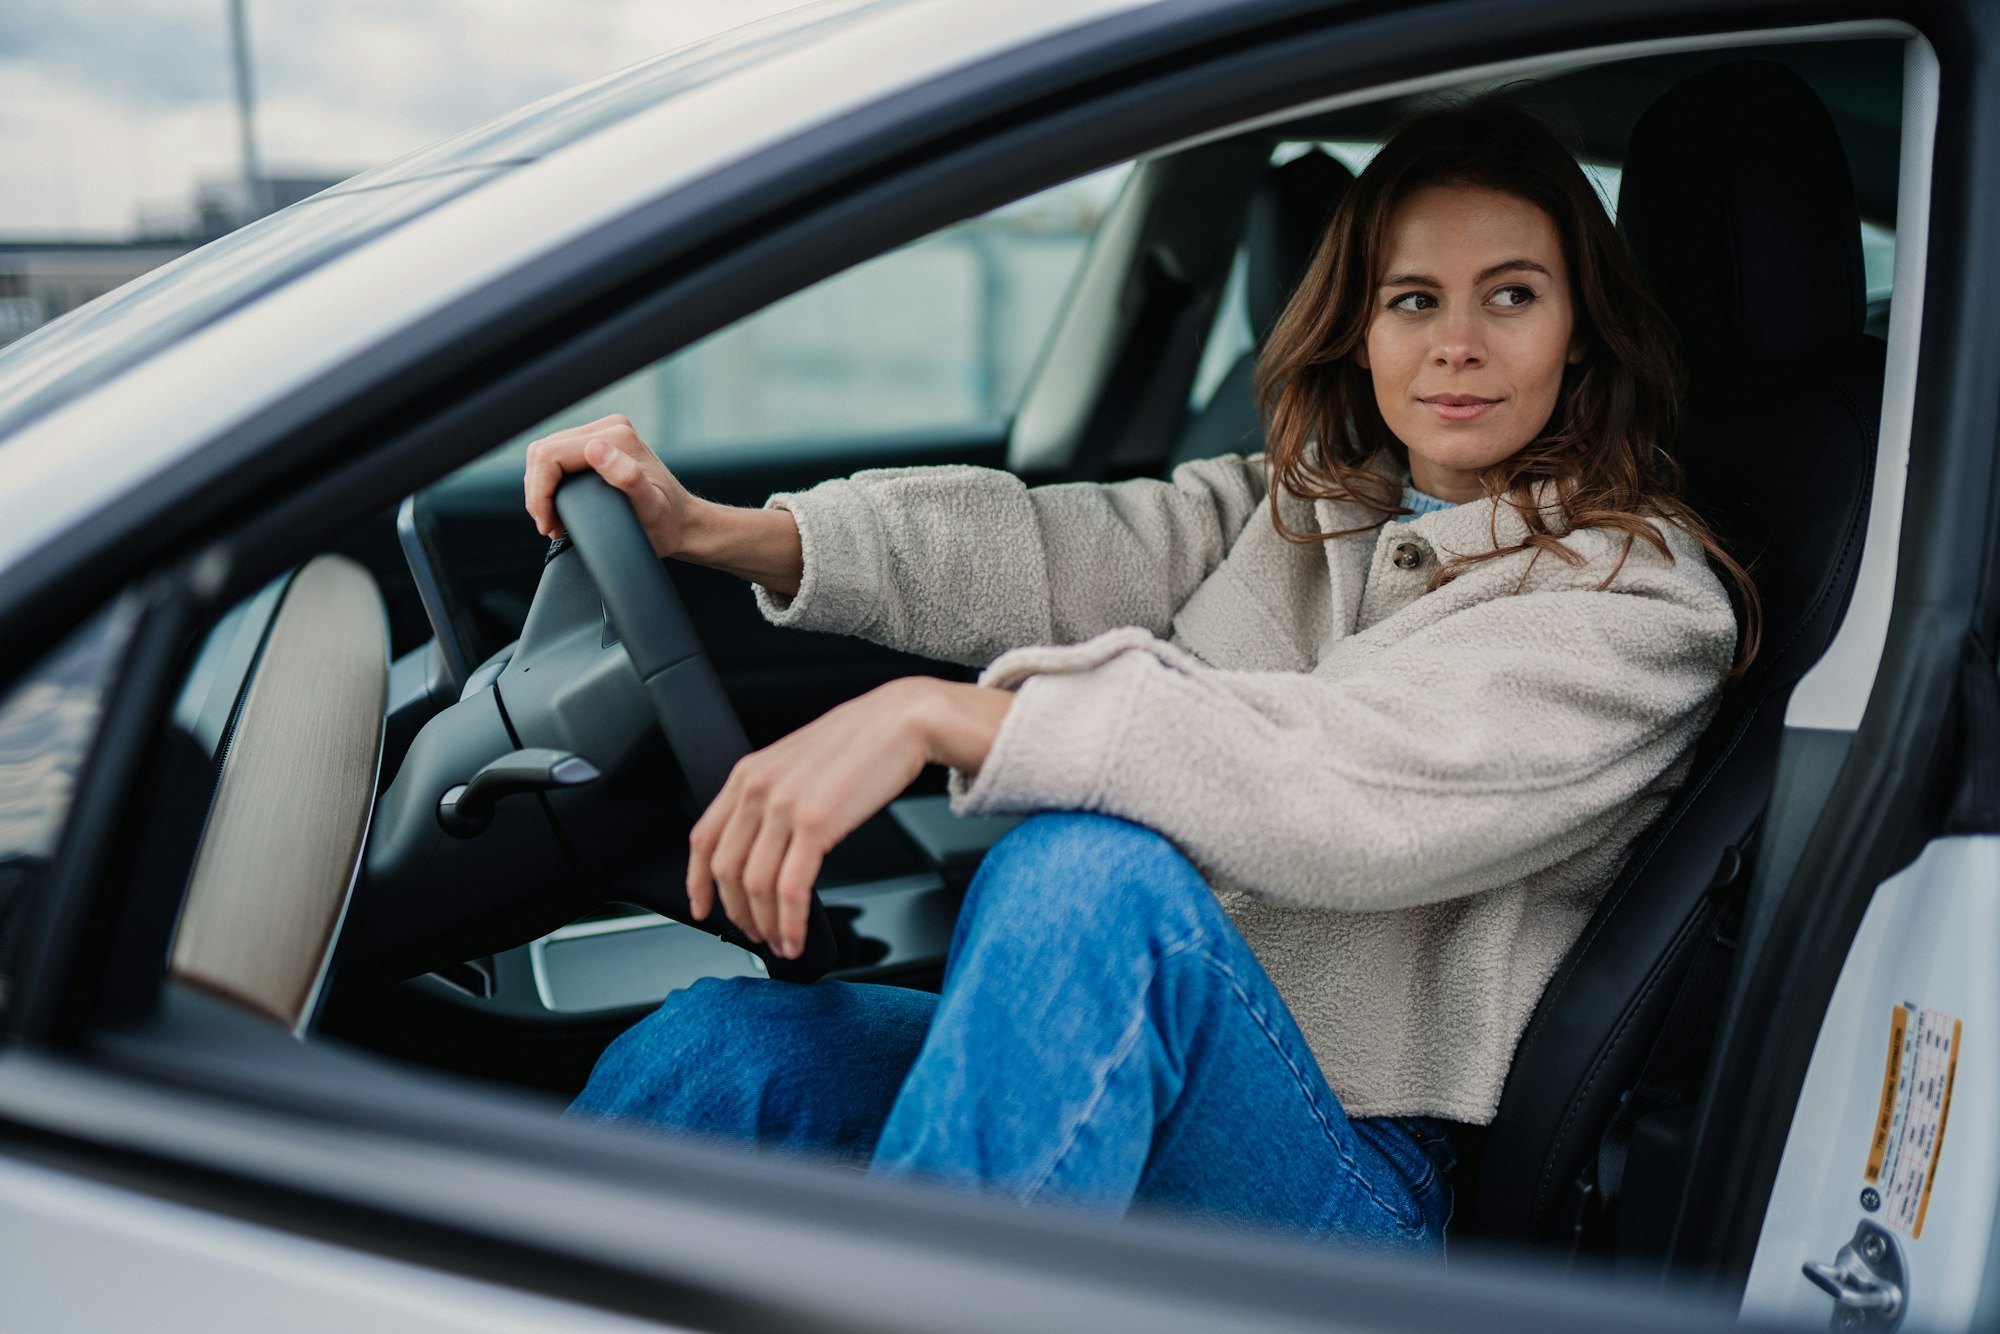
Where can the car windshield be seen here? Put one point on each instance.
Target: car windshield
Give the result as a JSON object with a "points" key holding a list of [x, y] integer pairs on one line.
{"points": [[124, 327]]}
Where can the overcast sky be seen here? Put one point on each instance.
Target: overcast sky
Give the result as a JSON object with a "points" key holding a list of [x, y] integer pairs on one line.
{"points": [[110, 109]]}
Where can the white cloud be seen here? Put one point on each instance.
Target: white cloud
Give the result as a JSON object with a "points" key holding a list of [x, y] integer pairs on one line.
{"points": [[121, 111], [80, 161]]}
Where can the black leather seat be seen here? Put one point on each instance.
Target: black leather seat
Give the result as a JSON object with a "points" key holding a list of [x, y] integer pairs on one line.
{"points": [[1285, 218], [1738, 201]]}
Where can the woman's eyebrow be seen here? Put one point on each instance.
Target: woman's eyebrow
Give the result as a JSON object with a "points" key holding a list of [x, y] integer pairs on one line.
{"points": [[1509, 265], [1491, 270]]}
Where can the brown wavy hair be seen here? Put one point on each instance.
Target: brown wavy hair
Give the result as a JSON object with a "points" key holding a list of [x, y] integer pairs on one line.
{"points": [[1605, 450]]}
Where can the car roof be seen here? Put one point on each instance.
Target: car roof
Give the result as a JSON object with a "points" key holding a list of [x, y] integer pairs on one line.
{"points": [[118, 391]]}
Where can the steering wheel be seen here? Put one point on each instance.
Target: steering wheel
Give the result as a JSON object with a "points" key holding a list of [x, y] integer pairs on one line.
{"points": [[644, 611]]}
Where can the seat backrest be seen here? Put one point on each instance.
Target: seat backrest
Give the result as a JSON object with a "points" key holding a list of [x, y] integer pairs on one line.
{"points": [[1737, 200], [1286, 217]]}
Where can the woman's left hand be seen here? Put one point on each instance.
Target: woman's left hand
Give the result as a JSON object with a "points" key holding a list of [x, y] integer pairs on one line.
{"points": [[760, 843]]}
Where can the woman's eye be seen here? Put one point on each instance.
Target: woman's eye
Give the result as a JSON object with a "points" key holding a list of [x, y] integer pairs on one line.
{"points": [[1514, 295], [1413, 301]]}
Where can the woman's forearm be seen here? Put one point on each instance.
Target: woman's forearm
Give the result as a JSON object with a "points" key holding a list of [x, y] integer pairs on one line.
{"points": [[761, 545], [958, 723]]}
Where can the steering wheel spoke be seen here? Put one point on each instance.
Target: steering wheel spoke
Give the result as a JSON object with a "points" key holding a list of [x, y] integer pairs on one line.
{"points": [[644, 611]]}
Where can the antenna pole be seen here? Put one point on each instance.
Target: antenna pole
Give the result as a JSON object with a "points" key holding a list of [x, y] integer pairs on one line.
{"points": [[246, 107]]}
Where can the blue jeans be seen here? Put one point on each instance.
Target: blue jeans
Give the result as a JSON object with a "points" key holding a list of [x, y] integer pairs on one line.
{"points": [[1104, 1039]]}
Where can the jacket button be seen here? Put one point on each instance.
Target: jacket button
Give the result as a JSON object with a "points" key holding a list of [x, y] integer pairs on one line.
{"points": [[1407, 555]]}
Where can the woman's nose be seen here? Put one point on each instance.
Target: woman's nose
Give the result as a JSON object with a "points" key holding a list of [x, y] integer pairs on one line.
{"points": [[1456, 344]]}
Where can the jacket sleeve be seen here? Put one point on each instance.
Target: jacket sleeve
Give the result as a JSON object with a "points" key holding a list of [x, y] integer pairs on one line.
{"points": [[963, 563], [1494, 743]]}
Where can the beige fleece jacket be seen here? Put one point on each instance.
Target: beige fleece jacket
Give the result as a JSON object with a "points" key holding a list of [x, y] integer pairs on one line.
{"points": [[1409, 802]]}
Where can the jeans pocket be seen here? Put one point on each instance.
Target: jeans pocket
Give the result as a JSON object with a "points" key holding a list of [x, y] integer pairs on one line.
{"points": [[1435, 1140], [1434, 1193], [1403, 1178]]}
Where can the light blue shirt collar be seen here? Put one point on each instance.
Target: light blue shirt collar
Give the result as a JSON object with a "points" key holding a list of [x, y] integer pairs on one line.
{"points": [[1419, 503]]}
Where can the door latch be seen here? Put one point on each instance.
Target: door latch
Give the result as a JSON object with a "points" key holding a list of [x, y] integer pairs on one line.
{"points": [[1865, 1280]]}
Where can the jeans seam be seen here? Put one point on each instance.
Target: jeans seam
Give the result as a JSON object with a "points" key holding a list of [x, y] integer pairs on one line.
{"points": [[1126, 1043], [1409, 1223], [1413, 1226]]}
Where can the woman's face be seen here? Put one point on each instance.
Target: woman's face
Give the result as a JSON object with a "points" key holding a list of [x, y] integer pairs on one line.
{"points": [[1470, 333]]}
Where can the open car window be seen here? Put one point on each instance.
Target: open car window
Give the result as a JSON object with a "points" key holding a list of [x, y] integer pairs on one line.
{"points": [[929, 342], [934, 340]]}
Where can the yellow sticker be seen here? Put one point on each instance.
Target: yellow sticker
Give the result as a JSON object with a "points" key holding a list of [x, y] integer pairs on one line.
{"points": [[1885, 1117], [1917, 1081]]}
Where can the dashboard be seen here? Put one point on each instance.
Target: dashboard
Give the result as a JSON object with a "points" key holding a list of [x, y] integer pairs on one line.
{"points": [[287, 732]]}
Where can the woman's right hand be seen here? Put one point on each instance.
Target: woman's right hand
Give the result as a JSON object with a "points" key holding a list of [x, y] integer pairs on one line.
{"points": [[614, 450], [761, 545]]}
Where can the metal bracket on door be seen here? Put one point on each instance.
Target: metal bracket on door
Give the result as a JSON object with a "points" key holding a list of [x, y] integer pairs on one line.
{"points": [[1865, 1281]]}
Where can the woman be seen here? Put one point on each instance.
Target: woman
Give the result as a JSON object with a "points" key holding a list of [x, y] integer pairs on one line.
{"points": [[1339, 745]]}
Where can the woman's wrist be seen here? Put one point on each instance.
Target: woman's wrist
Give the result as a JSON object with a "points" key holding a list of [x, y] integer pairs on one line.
{"points": [[761, 545], [705, 531], [956, 724]]}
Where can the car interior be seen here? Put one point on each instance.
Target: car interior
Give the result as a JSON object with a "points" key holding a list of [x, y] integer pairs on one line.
{"points": [[468, 861]]}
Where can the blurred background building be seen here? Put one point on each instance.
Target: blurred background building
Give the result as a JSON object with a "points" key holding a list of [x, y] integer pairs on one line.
{"points": [[42, 279]]}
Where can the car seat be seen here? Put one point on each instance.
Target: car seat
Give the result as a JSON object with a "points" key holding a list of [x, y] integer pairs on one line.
{"points": [[1287, 214], [1738, 201]]}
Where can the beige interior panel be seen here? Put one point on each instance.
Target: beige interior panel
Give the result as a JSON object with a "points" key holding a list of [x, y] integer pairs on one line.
{"points": [[278, 856]]}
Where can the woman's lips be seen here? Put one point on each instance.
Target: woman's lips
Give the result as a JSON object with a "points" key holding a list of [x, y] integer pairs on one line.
{"points": [[1459, 407]]}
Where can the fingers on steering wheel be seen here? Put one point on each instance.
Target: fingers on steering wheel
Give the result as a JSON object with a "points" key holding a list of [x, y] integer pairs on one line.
{"points": [[550, 459], [539, 480], [554, 456], [615, 466]]}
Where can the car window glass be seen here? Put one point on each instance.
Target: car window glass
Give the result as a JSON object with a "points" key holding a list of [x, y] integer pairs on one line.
{"points": [[125, 326], [48, 719], [1878, 258], [935, 339], [1231, 336], [576, 113]]}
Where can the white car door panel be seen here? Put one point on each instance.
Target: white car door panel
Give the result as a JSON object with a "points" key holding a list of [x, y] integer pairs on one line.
{"points": [[1895, 1127]]}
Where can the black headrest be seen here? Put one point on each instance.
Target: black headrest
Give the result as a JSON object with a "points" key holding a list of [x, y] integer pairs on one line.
{"points": [[1738, 202], [1287, 214]]}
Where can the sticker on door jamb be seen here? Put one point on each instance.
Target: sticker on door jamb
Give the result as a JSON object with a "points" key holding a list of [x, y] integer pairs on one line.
{"points": [[1909, 1128]]}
